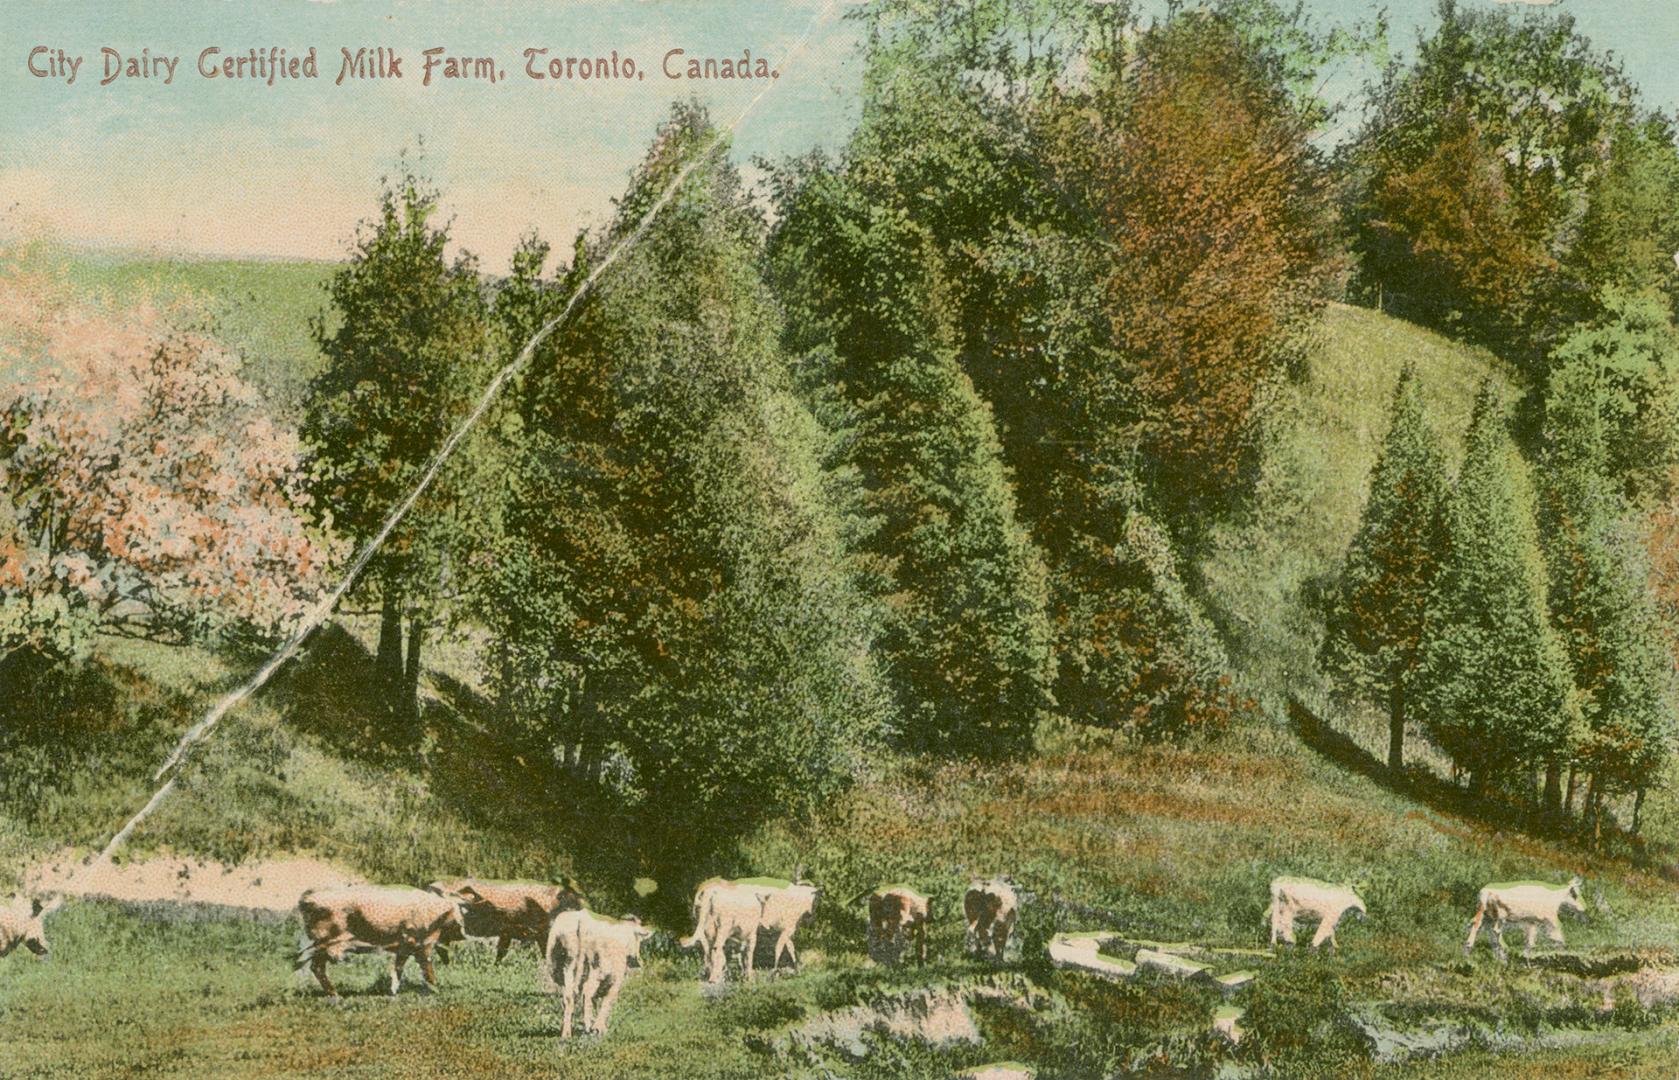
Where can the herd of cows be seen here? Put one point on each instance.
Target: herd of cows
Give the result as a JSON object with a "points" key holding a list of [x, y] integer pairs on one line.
{"points": [[586, 955]]}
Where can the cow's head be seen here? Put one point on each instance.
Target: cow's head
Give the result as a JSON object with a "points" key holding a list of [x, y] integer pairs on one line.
{"points": [[1573, 898], [34, 928], [453, 926], [568, 896], [638, 934]]}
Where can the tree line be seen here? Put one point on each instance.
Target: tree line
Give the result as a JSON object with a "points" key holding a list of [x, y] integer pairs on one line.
{"points": [[918, 446]]}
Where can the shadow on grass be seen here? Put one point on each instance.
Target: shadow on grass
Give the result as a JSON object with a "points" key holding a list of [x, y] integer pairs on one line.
{"points": [[1445, 797]]}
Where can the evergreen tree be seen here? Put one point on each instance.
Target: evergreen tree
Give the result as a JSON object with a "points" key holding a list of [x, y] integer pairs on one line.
{"points": [[1492, 689], [966, 641], [403, 365], [1599, 600], [676, 612], [1374, 627]]}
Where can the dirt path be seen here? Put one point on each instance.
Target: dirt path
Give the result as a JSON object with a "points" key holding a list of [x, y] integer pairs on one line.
{"points": [[262, 884]]}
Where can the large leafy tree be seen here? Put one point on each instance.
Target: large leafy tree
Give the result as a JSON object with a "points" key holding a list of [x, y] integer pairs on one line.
{"points": [[1374, 628], [677, 612], [1213, 213], [1629, 356], [1478, 166], [144, 488], [403, 363], [1600, 601], [1493, 689], [967, 644]]}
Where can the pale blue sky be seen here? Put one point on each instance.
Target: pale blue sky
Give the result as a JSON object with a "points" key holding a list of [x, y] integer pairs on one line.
{"points": [[217, 167]]}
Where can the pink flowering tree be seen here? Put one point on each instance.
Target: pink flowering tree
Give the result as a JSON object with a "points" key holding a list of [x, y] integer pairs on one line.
{"points": [[143, 488]]}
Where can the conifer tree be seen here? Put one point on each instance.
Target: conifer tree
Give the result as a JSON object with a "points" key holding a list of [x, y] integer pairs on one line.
{"points": [[966, 642], [1375, 624], [675, 608], [1599, 601], [1493, 686]]}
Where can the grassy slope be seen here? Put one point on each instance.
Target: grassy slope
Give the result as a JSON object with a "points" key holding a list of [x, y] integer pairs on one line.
{"points": [[1173, 844]]}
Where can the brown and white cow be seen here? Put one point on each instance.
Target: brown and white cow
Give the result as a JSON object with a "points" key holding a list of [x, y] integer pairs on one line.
{"points": [[357, 918], [991, 908], [510, 911], [897, 913], [22, 923], [590, 954]]}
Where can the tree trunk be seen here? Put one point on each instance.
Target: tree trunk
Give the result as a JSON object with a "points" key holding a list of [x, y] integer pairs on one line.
{"points": [[1553, 790], [1594, 802], [1637, 810], [410, 703], [1478, 782], [388, 664], [1568, 800], [1396, 734]]}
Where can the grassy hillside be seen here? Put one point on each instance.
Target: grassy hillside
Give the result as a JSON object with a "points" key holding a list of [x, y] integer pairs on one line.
{"points": [[1162, 844], [1264, 568]]}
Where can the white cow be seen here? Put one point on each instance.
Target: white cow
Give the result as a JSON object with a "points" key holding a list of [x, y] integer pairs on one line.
{"points": [[590, 954], [1533, 904], [22, 923], [784, 909], [723, 911], [1292, 897]]}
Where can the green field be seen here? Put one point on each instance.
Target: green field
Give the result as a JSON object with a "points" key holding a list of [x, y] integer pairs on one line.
{"points": [[1164, 844]]}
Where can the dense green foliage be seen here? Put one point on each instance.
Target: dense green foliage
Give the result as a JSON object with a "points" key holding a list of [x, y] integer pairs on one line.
{"points": [[1508, 177], [1374, 625], [403, 362], [965, 641], [673, 608], [1493, 687], [1600, 600]]}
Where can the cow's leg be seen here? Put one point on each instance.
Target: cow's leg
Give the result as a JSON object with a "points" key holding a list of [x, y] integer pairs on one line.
{"points": [[1498, 937], [571, 979], [502, 945], [717, 957], [785, 943], [426, 969], [1532, 936], [1285, 922], [751, 950], [1475, 927], [610, 986], [1325, 932], [1553, 931], [399, 959], [317, 964], [591, 992]]}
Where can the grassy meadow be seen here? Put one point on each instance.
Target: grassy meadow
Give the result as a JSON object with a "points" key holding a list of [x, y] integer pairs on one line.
{"points": [[1165, 844]]}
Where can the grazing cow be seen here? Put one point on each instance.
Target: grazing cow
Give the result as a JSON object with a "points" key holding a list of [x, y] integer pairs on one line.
{"points": [[22, 923], [510, 911], [896, 914], [1532, 904], [1293, 897], [785, 907], [723, 911], [357, 918], [590, 954], [991, 908]]}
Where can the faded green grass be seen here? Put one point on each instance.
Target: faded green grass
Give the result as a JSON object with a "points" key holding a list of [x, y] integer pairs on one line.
{"points": [[259, 309], [1261, 570]]}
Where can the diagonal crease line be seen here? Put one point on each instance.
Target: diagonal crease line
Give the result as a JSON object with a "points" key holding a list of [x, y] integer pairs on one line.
{"points": [[323, 608]]}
